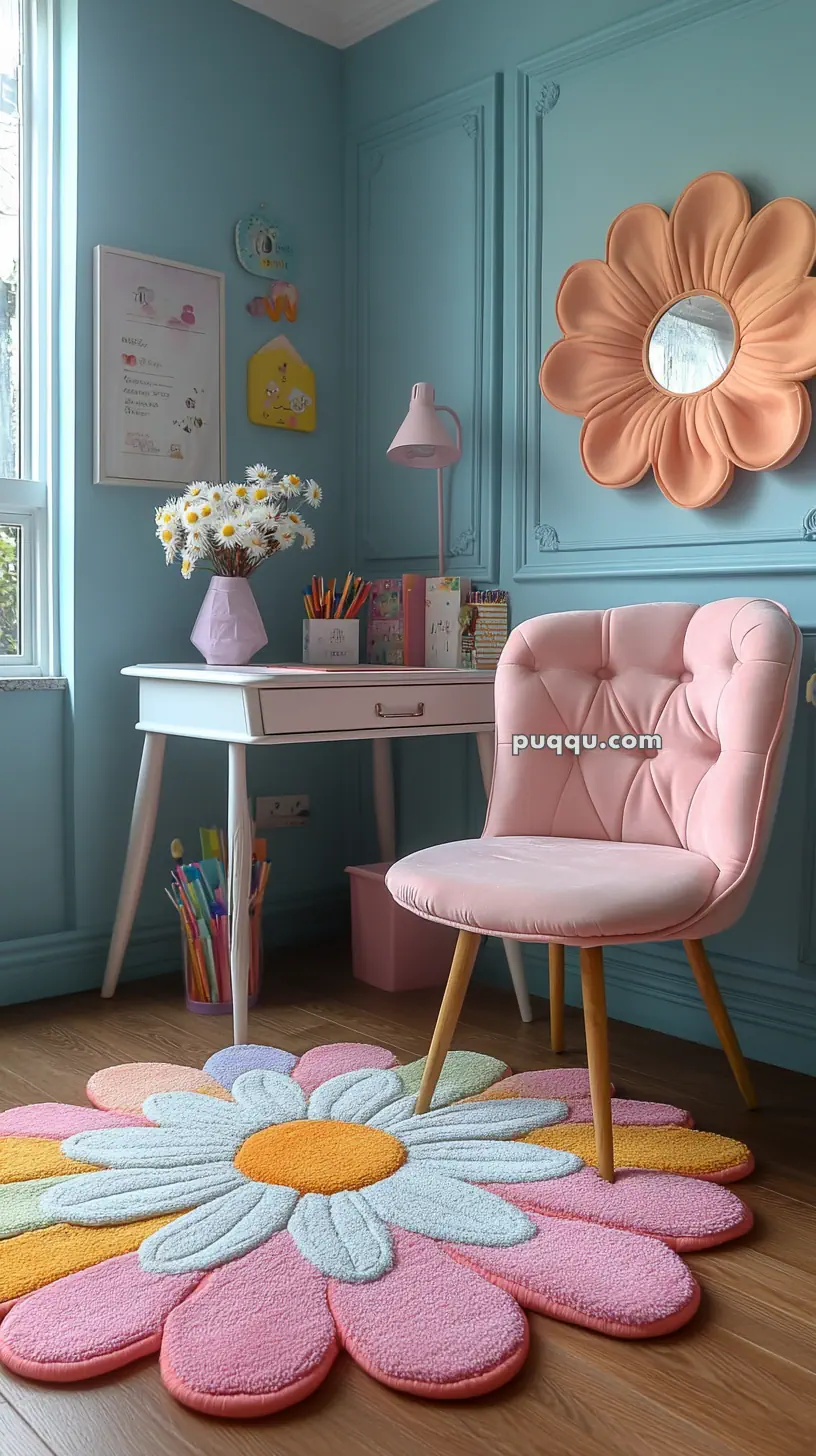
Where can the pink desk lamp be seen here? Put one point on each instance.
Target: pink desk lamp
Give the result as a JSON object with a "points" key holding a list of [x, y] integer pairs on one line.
{"points": [[423, 443]]}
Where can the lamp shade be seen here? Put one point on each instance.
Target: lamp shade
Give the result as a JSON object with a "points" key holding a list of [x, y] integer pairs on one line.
{"points": [[422, 440]]}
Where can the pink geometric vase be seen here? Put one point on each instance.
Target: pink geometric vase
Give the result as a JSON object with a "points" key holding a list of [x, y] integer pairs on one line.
{"points": [[228, 629]]}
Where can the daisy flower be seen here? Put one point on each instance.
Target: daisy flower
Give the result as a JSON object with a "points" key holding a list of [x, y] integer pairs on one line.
{"points": [[216, 494], [205, 510], [196, 543], [307, 536], [187, 567], [167, 514], [258, 494], [196, 489], [253, 1218], [229, 532], [257, 544], [260, 475], [168, 535], [285, 537], [238, 492], [313, 494], [290, 485], [294, 518], [191, 514]]}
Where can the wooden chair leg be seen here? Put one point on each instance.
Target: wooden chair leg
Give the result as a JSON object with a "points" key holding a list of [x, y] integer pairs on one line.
{"points": [[556, 997], [710, 992], [594, 997], [464, 957]]}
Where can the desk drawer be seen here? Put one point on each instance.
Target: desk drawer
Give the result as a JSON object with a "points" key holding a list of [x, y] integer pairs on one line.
{"points": [[347, 710]]}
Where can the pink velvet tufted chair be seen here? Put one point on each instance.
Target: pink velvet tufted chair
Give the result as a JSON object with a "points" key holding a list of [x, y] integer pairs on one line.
{"points": [[619, 845]]}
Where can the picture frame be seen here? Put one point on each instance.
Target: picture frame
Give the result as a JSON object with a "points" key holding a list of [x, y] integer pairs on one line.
{"points": [[159, 371]]}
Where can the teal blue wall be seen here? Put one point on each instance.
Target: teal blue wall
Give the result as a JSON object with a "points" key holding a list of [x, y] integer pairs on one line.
{"points": [[184, 114], [489, 147]]}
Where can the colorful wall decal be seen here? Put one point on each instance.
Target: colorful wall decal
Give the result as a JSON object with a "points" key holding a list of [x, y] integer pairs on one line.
{"points": [[280, 298], [260, 247], [281, 388]]}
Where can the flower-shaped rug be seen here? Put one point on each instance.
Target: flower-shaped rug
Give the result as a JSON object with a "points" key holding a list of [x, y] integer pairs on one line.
{"points": [[251, 1219]]}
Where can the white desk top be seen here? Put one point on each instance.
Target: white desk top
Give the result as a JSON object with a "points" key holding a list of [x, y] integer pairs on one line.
{"points": [[296, 675]]}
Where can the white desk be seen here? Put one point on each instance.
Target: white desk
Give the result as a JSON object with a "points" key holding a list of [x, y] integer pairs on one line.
{"points": [[277, 705]]}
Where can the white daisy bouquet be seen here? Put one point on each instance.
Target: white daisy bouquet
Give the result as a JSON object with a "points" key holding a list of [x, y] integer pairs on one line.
{"points": [[230, 529]]}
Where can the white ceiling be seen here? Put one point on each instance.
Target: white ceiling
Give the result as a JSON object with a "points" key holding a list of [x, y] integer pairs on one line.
{"points": [[340, 22]]}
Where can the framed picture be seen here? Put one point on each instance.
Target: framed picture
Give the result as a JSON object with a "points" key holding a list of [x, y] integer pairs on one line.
{"points": [[159, 390]]}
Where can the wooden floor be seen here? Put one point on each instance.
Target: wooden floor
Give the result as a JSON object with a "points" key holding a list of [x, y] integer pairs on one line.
{"points": [[741, 1378]]}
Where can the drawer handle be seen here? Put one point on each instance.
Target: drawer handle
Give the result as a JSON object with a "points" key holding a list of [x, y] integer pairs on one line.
{"points": [[382, 712]]}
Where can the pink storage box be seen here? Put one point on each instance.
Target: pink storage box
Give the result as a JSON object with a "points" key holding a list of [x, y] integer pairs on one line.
{"points": [[391, 948]]}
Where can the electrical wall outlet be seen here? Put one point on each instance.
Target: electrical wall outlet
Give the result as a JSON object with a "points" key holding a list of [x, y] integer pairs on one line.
{"points": [[285, 811]]}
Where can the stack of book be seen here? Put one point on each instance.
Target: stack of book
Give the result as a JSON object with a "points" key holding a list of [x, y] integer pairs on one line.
{"points": [[396, 622]]}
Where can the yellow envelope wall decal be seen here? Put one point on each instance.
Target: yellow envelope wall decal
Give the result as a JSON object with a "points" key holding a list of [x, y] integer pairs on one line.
{"points": [[281, 388]]}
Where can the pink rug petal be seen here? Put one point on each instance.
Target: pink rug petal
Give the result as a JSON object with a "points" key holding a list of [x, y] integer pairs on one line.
{"points": [[58, 1120], [605, 1279], [90, 1322], [324, 1062], [124, 1088], [568, 1083], [630, 1113], [255, 1337], [431, 1327], [686, 1213]]}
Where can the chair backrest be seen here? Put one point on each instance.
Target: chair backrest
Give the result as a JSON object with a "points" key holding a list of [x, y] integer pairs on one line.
{"points": [[717, 683]]}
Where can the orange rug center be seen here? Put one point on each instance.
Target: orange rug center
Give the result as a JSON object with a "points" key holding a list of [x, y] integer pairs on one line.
{"points": [[320, 1157]]}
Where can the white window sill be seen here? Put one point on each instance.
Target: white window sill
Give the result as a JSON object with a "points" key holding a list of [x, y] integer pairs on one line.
{"points": [[32, 684]]}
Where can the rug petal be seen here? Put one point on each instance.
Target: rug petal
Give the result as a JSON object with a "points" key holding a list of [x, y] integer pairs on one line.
{"points": [[25, 1158], [152, 1147], [58, 1120], [425, 1202], [663, 1149], [497, 1119], [97, 1199], [565, 1083], [487, 1161], [342, 1236], [35, 1259], [265, 1097], [324, 1062], [125, 1087], [357, 1097], [20, 1206], [686, 1213], [220, 1231], [91, 1322], [278, 1351], [190, 1110], [431, 1327], [605, 1279], [627, 1112], [463, 1075], [227, 1065]]}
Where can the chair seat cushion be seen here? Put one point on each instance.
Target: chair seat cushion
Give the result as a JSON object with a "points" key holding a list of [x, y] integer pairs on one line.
{"points": [[577, 891]]}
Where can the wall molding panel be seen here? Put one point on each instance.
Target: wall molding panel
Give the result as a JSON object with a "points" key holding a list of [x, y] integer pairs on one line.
{"points": [[472, 508], [540, 84]]}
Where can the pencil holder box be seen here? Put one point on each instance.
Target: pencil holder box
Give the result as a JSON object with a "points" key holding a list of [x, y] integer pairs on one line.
{"points": [[192, 982], [332, 642]]}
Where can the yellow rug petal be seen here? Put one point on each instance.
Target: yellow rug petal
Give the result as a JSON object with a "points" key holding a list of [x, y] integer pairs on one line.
{"points": [[662, 1149], [35, 1259], [22, 1158]]}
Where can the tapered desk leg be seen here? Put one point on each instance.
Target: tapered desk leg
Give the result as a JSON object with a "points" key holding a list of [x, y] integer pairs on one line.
{"points": [[384, 810], [239, 842], [142, 829], [512, 948]]}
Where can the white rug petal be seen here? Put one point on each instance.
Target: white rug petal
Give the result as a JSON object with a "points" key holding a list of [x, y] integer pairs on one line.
{"points": [[96, 1199], [222, 1230], [498, 1119], [486, 1161], [192, 1110], [265, 1097], [152, 1147], [323, 1099], [342, 1236], [395, 1112], [367, 1097], [427, 1202]]}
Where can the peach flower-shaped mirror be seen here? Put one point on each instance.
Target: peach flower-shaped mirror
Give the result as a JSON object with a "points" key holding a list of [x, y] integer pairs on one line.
{"points": [[684, 350]]}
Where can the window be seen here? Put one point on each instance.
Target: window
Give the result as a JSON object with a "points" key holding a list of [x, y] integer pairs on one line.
{"points": [[25, 165]]}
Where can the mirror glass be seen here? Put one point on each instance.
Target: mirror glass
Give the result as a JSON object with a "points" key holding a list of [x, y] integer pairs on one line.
{"points": [[692, 344]]}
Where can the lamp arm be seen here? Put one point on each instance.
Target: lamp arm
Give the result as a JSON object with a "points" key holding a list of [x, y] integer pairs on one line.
{"points": [[440, 487]]}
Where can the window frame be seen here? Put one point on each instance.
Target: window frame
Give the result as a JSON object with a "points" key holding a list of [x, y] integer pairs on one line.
{"points": [[25, 500]]}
